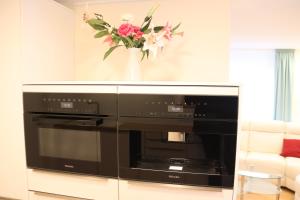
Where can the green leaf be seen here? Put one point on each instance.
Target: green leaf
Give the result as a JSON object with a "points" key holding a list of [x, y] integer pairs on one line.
{"points": [[176, 27], [146, 19], [101, 34], [97, 24], [145, 27], [109, 51], [144, 53], [98, 27], [147, 31], [158, 28], [95, 21], [127, 41], [116, 39]]}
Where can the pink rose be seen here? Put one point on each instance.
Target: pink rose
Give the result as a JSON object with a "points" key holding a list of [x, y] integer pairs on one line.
{"points": [[136, 29], [137, 32], [138, 35], [125, 30]]}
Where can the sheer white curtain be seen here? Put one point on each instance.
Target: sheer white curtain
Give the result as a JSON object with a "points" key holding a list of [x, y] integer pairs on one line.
{"points": [[284, 67], [296, 89]]}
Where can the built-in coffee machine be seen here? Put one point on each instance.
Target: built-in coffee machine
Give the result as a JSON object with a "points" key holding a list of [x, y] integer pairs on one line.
{"points": [[178, 138]]}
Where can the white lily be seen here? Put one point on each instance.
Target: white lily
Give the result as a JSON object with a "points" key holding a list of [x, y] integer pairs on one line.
{"points": [[153, 41]]}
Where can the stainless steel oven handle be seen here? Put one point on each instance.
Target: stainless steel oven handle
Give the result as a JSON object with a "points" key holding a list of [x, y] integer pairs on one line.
{"points": [[69, 120]]}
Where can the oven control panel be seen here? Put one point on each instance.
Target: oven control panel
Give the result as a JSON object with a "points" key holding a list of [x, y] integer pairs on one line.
{"points": [[178, 106], [70, 105], [81, 103]]}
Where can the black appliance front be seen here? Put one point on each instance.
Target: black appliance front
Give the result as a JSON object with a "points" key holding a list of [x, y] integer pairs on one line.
{"points": [[71, 132], [178, 139]]}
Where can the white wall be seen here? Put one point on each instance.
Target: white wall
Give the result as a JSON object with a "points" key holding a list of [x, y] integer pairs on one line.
{"points": [[201, 55], [267, 24], [12, 156], [47, 41], [253, 69]]}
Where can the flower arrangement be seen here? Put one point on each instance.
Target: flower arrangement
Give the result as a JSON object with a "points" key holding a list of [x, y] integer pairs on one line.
{"points": [[147, 38]]}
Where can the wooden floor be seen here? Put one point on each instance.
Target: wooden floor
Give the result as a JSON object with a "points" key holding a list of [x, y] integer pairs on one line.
{"points": [[285, 195]]}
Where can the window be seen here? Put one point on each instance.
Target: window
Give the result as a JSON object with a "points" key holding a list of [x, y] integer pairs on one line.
{"points": [[254, 71]]}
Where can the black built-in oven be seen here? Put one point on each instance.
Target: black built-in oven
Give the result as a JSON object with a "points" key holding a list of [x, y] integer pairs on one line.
{"points": [[181, 139], [71, 132]]}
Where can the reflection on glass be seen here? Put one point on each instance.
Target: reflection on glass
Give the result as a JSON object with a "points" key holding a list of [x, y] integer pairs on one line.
{"points": [[69, 144]]}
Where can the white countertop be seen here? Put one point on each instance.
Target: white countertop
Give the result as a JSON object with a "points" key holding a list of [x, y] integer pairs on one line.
{"points": [[135, 83]]}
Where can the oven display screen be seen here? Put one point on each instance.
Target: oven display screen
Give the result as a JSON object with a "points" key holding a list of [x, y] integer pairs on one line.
{"points": [[66, 104], [175, 108]]}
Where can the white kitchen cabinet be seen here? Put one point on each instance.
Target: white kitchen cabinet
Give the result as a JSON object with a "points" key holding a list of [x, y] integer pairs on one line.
{"points": [[72, 185], [47, 41], [36, 44], [133, 190], [12, 154], [45, 196]]}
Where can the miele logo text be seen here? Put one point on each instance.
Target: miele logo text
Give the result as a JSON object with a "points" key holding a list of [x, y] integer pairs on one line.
{"points": [[69, 166], [174, 176]]}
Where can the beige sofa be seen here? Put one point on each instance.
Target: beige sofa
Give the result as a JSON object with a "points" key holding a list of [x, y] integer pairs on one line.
{"points": [[261, 145]]}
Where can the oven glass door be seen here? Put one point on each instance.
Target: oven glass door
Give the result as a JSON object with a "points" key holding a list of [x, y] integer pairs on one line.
{"points": [[83, 144], [196, 152]]}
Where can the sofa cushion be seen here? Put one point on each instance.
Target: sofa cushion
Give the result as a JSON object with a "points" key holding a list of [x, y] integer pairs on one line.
{"points": [[289, 183], [244, 140], [274, 126], [291, 148], [292, 130], [242, 160], [266, 162], [297, 187], [265, 142], [266, 137], [292, 168]]}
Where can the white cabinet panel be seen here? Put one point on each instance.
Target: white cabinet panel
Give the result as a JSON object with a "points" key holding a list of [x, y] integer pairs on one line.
{"points": [[47, 41], [46, 196], [79, 186], [131, 190], [12, 154]]}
